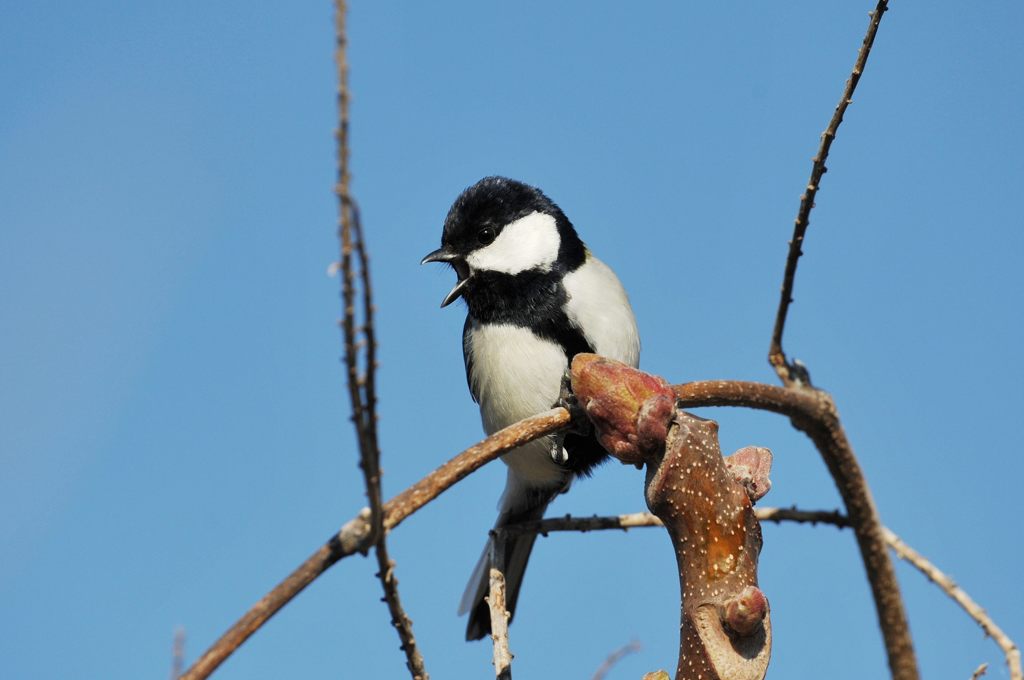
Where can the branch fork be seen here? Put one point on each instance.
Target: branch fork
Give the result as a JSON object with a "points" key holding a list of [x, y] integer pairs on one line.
{"points": [[705, 502]]}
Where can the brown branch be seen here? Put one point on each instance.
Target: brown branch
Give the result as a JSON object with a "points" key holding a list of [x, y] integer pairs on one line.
{"points": [[614, 658], [362, 388], [499, 610], [706, 503], [832, 517], [645, 519], [792, 373], [814, 413], [948, 586], [355, 536]]}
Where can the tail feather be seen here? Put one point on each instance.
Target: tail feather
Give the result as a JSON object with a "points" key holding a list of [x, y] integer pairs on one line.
{"points": [[517, 554]]}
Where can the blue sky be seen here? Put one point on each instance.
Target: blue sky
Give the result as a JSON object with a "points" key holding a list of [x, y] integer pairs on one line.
{"points": [[173, 429]]}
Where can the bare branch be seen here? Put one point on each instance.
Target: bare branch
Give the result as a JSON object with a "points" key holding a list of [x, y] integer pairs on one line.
{"points": [[645, 519], [979, 671], [832, 517], [499, 610], [355, 536], [614, 658], [814, 413], [947, 585], [706, 503], [787, 371], [362, 388]]}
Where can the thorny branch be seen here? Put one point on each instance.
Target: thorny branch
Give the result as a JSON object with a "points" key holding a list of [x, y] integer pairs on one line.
{"points": [[792, 373], [362, 388]]}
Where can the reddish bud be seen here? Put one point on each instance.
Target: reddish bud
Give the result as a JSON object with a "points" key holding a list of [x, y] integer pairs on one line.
{"points": [[631, 410], [744, 613], [750, 467]]}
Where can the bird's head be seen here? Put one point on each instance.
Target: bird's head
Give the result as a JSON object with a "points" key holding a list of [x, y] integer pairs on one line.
{"points": [[503, 226]]}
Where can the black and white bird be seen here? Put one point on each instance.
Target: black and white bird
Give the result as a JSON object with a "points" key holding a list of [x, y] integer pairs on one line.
{"points": [[536, 297]]}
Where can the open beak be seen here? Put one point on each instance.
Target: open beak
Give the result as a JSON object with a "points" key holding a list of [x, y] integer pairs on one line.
{"points": [[458, 263]]}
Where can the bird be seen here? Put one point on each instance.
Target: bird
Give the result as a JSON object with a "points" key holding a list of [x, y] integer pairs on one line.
{"points": [[535, 297]]}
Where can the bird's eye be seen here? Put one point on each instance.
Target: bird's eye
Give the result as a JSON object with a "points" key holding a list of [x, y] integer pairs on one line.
{"points": [[485, 236]]}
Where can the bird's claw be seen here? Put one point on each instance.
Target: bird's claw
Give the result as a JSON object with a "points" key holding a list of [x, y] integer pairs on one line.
{"points": [[579, 423]]}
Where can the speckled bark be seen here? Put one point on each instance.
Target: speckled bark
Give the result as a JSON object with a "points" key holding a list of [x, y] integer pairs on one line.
{"points": [[706, 504]]}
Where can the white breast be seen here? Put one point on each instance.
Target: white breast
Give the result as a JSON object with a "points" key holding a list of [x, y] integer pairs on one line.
{"points": [[515, 375], [599, 306]]}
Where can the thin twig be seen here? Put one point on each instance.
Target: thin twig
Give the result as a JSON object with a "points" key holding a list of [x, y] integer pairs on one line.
{"points": [[614, 658], [787, 371], [355, 536], [645, 519], [979, 671], [948, 586], [499, 610], [362, 388]]}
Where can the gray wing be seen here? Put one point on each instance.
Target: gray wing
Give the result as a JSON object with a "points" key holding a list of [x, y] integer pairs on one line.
{"points": [[467, 356]]}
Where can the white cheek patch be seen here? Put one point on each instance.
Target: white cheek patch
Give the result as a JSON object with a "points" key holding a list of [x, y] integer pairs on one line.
{"points": [[530, 242]]}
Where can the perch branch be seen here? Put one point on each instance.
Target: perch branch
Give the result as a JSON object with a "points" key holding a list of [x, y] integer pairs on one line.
{"points": [[789, 373], [355, 536], [362, 388], [499, 610]]}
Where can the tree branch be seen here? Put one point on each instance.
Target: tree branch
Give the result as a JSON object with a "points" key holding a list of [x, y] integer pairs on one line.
{"points": [[948, 586], [832, 517], [792, 373], [706, 503], [814, 413], [801, 405], [362, 388], [499, 610], [355, 536]]}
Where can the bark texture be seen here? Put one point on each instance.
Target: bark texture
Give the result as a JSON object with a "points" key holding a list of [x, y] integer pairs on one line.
{"points": [[705, 503]]}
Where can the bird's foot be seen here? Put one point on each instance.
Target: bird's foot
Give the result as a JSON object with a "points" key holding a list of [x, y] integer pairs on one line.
{"points": [[579, 423]]}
